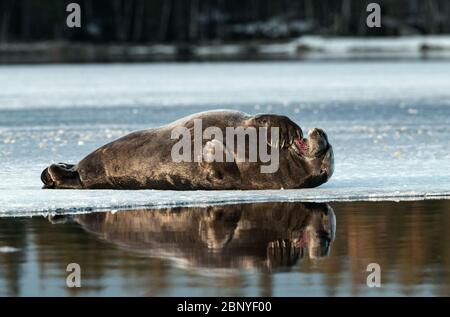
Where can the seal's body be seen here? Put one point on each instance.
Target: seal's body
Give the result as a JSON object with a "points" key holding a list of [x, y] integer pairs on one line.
{"points": [[144, 159], [236, 236]]}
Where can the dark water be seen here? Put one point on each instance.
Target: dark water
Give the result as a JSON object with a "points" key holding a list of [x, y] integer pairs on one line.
{"points": [[263, 249]]}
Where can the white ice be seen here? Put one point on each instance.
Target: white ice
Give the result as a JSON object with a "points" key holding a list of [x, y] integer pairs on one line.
{"points": [[387, 121]]}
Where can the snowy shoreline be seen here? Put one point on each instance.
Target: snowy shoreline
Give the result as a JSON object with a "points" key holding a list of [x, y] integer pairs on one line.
{"points": [[304, 48]]}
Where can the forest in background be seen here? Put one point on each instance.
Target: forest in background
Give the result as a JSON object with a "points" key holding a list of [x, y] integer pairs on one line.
{"points": [[212, 21]]}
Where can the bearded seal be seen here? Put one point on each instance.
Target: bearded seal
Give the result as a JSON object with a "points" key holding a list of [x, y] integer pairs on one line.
{"points": [[144, 159], [273, 235]]}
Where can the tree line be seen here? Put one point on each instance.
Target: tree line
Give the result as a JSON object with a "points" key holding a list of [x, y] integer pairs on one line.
{"points": [[197, 21]]}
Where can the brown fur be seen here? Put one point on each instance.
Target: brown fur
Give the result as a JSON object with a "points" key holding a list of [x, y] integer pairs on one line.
{"points": [[142, 160]]}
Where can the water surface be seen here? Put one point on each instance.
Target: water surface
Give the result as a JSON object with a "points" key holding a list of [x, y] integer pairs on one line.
{"points": [[260, 249]]}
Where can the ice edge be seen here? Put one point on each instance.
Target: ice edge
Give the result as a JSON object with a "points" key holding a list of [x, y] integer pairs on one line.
{"points": [[203, 203]]}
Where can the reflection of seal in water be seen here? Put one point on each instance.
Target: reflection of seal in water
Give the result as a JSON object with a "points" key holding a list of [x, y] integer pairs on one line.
{"points": [[256, 235], [143, 160]]}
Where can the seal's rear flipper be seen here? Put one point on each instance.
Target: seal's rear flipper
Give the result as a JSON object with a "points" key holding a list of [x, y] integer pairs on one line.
{"points": [[61, 175], [59, 219]]}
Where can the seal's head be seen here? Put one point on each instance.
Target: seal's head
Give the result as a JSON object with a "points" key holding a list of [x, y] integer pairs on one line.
{"points": [[313, 155], [319, 233], [317, 153]]}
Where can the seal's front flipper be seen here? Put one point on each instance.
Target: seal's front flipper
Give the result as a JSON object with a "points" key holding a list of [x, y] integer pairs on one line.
{"points": [[219, 165], [282, 253], [61, 175]]}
